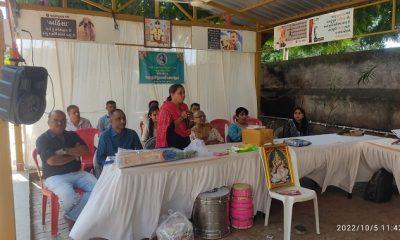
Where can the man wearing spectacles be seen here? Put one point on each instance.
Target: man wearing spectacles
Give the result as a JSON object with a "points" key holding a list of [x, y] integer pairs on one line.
{"points": [[60, 152]]}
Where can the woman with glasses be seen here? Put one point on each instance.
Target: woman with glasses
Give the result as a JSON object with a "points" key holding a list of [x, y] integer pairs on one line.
{"points": [[204, 131]]}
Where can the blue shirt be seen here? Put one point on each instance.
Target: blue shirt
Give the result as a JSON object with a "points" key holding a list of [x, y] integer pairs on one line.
{"points": [[235, 133], [104, 123], [110, 141]]}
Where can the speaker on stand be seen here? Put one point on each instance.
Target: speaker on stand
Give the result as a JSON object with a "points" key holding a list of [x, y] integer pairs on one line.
{"points": [[22, 93]]}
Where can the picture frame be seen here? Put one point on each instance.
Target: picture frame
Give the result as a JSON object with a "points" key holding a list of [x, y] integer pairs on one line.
{"points": [[225, 39], [278, 166], [157, 33]]}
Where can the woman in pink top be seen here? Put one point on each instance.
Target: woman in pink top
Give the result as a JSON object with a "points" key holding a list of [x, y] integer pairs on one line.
{"points": [[174, 120]]}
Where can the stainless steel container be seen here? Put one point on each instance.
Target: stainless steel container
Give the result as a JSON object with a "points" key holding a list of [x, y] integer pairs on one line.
{"points": [[211, 214]]}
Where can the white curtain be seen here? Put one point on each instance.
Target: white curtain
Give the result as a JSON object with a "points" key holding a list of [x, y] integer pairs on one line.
{"points": [[88, 74]]}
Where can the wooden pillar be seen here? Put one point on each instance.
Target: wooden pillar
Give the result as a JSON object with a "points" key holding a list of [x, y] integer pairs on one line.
{"points": [[156, 8], [394, 12], [114, 5], [64, 3], [195, 13], [285, 54], [257, 71], [7, 218], [18, 147]]}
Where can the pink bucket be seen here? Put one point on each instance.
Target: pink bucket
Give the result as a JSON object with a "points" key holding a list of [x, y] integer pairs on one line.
{"points": [[242, 214], [242, 199], [242, 204], [241, 190], [241, 224]]}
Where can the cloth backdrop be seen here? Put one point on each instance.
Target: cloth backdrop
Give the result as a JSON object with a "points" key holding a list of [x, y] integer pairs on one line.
{"points": [[89, 74]]}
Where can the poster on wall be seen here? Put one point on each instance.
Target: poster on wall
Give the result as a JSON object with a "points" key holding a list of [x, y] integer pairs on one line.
{"points": [[214, 38], [332, 26], [328, 27], [221, 39], [157, 33], [161, 67], [67, 27], [290, 35]]}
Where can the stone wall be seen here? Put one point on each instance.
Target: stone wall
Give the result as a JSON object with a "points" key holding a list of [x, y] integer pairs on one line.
{"points": [[360, 89]]}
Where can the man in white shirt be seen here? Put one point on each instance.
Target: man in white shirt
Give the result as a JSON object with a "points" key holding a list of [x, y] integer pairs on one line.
{"points": [[75, 120]]}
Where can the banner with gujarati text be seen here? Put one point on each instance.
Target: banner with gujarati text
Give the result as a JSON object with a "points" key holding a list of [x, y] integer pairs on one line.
{"points": [[161, 67], [328, 27]]}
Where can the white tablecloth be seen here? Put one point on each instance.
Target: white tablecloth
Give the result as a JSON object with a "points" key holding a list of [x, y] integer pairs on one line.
{"points": [[331, 159], [127, 203], [379, 154]]}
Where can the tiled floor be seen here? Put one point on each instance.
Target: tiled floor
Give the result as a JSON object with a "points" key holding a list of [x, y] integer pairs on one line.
{"points": [[40, 232], [335, 210]]}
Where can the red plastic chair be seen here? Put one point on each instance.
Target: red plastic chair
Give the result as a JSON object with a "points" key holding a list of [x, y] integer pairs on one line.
{"points": [[220, 125], [53, 200], [87, 135], [55, 205], [254, 121], [250, 120]]}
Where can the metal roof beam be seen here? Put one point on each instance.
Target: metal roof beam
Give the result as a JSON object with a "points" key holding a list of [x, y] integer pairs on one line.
{"points": [[256, 5], [97, 5], [234, 12], [125, 5], [188, 15]]}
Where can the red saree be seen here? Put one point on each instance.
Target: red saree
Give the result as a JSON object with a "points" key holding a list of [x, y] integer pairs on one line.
{"points": [[169, 112]]}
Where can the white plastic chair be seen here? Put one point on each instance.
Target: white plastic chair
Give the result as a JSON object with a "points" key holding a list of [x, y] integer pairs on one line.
{"points": [[288, 201], [226, 133]]}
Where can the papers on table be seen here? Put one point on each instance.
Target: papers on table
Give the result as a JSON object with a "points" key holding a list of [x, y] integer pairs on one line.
{"points": [[396, 132]]}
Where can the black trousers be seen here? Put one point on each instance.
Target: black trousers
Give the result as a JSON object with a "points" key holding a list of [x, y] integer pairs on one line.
{"points": [[175, 140]]}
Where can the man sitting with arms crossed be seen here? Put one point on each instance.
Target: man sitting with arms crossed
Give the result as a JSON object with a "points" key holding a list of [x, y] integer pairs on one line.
{"points": [[60, 152], [117, 136]]}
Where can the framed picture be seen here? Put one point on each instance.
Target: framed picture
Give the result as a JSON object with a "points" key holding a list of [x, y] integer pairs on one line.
{"points": [[222, 39], [86, 30], [277, 166], [157, 33], [231, 40]]}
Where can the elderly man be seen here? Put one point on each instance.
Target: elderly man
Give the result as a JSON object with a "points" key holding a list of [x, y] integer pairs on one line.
{"points": [[104, 121], [118, 136], [75, 121], [60, 152]]}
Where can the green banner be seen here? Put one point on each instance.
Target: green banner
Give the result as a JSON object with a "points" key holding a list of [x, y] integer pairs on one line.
{"points": [[161, 67]]}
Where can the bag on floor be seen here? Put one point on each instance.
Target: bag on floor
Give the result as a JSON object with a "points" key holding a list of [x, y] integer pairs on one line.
{"points": [[175, 227], [380, 188]]}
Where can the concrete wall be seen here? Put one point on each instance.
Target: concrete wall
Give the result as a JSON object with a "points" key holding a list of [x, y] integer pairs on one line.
{"points": [[327, 88]]}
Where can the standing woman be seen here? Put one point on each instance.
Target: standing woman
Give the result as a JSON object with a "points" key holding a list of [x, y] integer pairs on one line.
{"points": [[174, 120]]}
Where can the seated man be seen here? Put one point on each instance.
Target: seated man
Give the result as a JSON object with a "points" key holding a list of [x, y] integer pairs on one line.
{"points": [[117, 136], [60, 152], [75, 121], [104, 121]]}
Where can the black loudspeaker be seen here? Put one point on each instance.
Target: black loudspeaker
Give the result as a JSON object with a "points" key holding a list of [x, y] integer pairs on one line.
{"points": [[22, 94]]}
